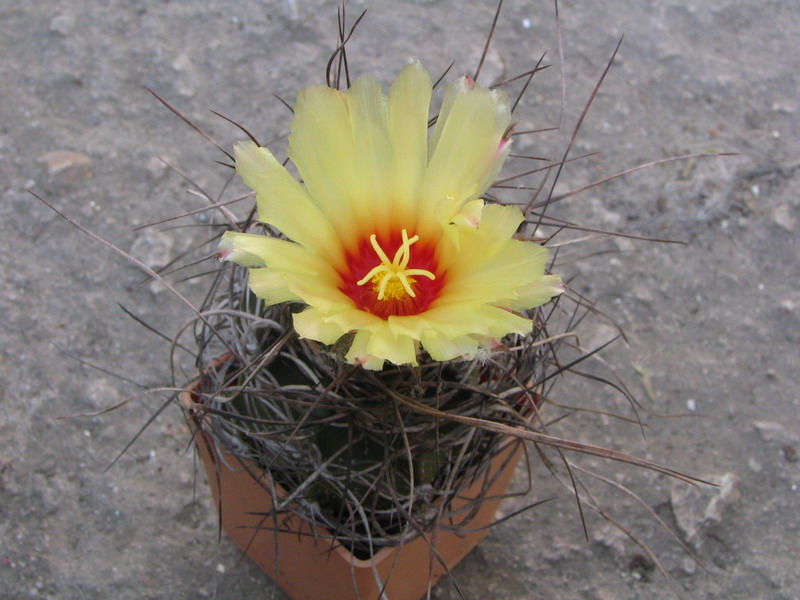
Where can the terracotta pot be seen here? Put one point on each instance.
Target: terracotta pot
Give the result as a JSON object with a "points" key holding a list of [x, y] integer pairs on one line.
{"points": [[307, 563]]}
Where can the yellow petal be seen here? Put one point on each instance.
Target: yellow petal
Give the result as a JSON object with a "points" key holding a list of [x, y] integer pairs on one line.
{"points": [[502, 322], [409, 108], [252, 250], [283, 203], [397, 349], [466, 152], [537, 292], [499, 223], [318, 292], [240, 250], [352, 319], [358, 353], [497, 277], [411, 325], [460, 86], [442, 348], [470, 214], [490, 267], [456, 320], [271, 286], [321, 147], [369, 189], [311, 324]]}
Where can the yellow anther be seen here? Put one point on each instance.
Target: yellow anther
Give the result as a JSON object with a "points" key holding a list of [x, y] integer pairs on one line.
{"points": [[386, 271]]}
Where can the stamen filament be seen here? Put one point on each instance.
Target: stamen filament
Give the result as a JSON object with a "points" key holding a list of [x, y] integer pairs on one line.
{"points": [[422, 272], [371, 274], [373, 239], [406, 285]]}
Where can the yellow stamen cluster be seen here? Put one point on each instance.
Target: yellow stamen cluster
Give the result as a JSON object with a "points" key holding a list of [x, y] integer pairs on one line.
{"points": [[384, 274]]}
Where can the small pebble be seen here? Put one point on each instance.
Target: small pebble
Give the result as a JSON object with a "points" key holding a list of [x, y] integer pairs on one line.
{"points": [[62, 24], [688, 565], [697, 507], [772, 431], [691, 404], [153, 248], [291, 5], [784, 107], [783, 218], [156, 167], [67, 166]]}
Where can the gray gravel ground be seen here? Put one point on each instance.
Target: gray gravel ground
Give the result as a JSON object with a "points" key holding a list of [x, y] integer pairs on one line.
{"points": [[715, 324]]}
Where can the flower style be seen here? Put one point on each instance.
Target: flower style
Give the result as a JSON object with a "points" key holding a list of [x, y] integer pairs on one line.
{"points": [[388, 237]]}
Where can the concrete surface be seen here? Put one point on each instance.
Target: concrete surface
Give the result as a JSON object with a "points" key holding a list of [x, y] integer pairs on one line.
{"points": [[715, 324]]}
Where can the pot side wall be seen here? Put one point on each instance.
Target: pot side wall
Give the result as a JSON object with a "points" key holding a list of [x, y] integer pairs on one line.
{"points": [[305, 561]]}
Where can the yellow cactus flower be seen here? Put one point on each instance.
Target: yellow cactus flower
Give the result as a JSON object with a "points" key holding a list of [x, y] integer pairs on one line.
{"points": [[388, 237]]}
